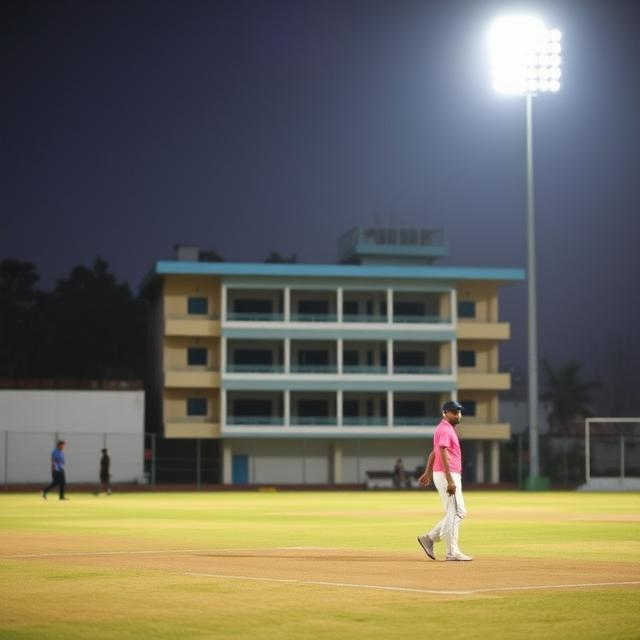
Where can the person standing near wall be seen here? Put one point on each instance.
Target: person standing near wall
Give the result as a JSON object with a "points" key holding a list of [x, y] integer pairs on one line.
{"points": [[105, 476], [57, 471]]}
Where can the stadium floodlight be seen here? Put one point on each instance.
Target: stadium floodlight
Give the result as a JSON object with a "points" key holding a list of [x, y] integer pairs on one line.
{"points": [[526, 60], [525, 56]]}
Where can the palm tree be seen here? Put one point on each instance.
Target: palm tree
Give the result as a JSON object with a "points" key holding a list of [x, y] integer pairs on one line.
{"points": [[568, 395]]}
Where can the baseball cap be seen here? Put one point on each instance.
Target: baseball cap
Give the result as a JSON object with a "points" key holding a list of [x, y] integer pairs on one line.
{"points": [[451, 405]]}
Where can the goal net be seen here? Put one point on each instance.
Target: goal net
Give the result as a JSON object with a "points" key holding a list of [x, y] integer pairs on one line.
{"points": [[612, 454]]}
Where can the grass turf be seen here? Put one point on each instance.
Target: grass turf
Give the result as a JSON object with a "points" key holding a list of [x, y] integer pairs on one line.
{"points": [[53, 597]]}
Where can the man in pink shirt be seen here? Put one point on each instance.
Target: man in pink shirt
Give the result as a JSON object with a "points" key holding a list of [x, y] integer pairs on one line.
{"points": [[444, 467]]}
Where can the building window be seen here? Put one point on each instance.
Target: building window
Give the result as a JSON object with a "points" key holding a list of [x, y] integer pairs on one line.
{"points": [[466, 358], [468, 407], [196, 406], [196, 356], [198, 306], [466, 309]]}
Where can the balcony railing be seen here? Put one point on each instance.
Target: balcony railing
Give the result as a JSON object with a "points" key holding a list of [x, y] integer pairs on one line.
{"points": [[357, 317], [313, 317], [324, 421], [356, 421], [255, 317], [330, 369], [416, 421], [326, 317], [314, 368], [255, 368], [368, 369], [256, 420], [420, 370], [419, 319]]}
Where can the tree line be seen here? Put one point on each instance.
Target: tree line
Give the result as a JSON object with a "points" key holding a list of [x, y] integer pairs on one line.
{"points": [[90, 327]]}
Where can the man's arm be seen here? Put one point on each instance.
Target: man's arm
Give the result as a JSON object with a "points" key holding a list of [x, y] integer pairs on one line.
{"points": [[425, 479], [451, 487]]}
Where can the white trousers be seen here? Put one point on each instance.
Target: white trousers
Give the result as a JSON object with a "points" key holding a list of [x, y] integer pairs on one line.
{"points": [[448, 528]]}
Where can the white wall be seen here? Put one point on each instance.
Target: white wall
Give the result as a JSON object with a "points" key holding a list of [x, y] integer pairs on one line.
{"points": [[300, 461], [32, 421]]}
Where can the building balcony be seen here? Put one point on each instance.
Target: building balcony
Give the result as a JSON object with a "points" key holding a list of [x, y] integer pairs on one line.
{"points": [[470, 330], [480, 381], [197, 326], [191, 378], [332, 319]]}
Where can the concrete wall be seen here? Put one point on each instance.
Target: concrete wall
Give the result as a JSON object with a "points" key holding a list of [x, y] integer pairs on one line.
{"points": [[32, 421]]}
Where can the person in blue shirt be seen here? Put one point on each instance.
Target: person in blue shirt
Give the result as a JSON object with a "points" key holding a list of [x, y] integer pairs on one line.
{"points": [[57, 471]]}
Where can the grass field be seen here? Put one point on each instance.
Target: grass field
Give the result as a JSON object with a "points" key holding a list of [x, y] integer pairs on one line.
{"points": [[317, 565]]}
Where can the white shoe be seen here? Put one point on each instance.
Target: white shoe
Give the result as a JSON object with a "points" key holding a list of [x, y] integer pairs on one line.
{"points": [[427, 544], [458, 557]]}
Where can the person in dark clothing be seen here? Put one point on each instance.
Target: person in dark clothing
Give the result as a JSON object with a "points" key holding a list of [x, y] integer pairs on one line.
{"points": [[105, 465], [57, 471]]}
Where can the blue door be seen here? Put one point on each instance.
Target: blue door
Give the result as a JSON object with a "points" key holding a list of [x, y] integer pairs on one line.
{"points": [[240, 469]]}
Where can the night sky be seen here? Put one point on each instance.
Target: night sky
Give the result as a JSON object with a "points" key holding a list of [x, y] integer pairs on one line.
{"points": [[252, 126]]}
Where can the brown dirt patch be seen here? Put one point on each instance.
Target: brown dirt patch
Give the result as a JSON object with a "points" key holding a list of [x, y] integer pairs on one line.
{"points": [[409, 570]]}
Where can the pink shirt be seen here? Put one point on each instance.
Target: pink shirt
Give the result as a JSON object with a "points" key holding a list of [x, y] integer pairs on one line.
{"points": [[446, 436]]}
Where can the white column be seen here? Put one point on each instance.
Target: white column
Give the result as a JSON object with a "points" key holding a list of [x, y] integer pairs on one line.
{"points": [[223, 304], [389, 305], [223, 408], [287, 408], [339, 355], [339, 304], [339, 407], [389, 357], [495, 462], [223, 356], [287, 355], [479, 460], [390, 409], [226, 463], [337, 463], [287, 304]]}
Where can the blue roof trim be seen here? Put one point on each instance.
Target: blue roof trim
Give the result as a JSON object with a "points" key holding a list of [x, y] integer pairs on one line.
{"points": [[335, 270]]}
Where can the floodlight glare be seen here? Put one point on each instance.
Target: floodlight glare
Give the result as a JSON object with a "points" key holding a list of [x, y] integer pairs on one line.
{"points": [[522, 48]]}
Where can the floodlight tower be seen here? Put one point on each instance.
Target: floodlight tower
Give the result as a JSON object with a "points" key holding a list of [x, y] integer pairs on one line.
{"points": [[526, 61]]}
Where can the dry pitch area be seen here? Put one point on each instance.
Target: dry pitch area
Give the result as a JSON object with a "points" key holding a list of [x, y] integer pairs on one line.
{"points": [[317, 565]]}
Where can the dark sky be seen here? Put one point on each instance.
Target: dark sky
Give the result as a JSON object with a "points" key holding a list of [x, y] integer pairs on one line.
{"points": [[247, 126]]}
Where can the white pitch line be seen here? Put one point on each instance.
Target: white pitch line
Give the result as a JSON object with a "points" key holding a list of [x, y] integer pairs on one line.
{"points": [[322, 583], [466, 592]]}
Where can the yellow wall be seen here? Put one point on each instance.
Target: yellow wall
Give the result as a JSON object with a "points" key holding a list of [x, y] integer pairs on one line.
{"points": [[486, 355], [177, 289], [175, 404], [485, 295], [175, 351]]}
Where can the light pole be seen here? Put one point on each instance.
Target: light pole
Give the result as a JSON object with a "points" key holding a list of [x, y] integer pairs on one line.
{"points": [[526, 61]]}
